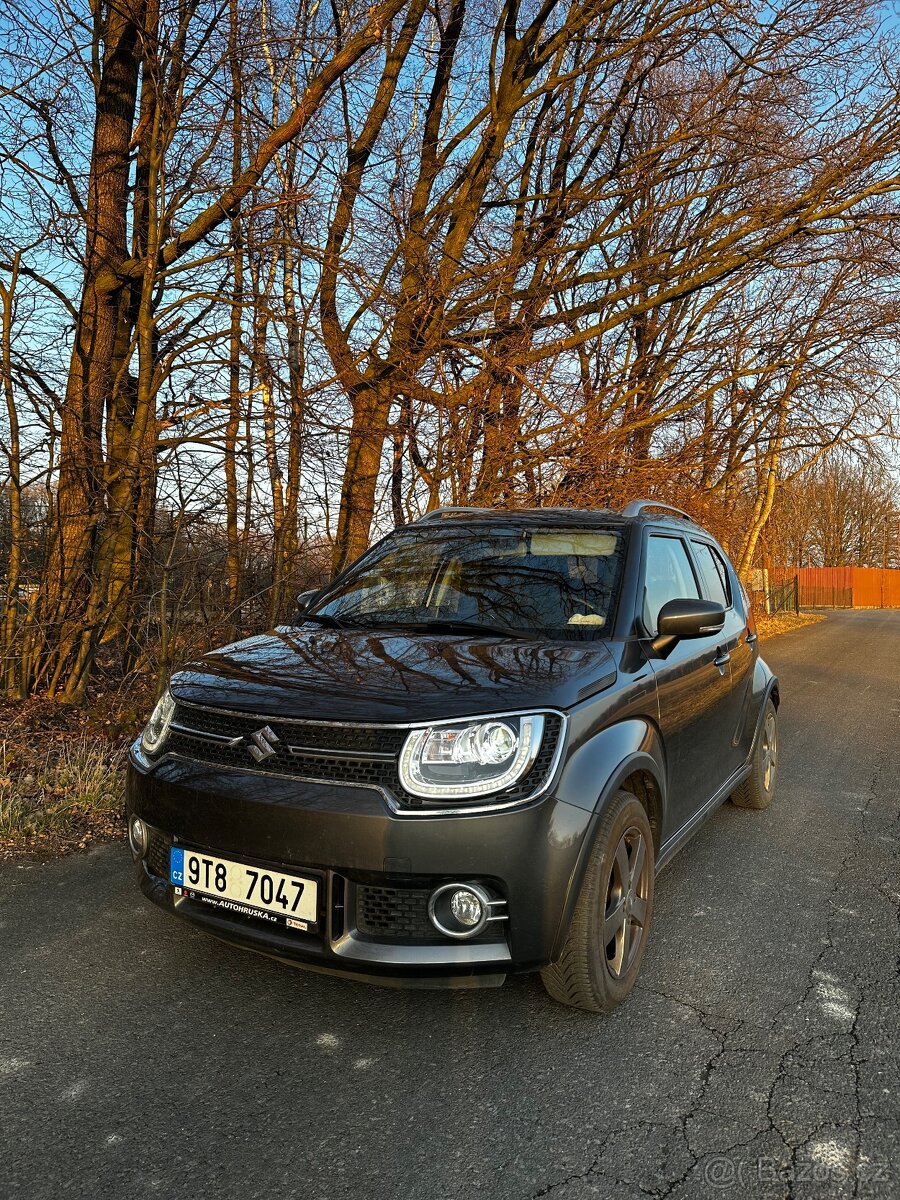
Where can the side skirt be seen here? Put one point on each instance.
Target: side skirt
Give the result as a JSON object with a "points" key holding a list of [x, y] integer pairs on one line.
{"points": [[673, 844]]}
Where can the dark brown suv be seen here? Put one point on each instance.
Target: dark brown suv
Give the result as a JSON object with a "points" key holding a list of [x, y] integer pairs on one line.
{"points": [[469, 754]]}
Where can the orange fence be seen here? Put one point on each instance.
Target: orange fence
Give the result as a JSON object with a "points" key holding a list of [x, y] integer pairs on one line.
{"points": [[832, 587]]}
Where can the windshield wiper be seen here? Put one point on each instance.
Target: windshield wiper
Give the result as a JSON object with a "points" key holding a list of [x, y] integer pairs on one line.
{"points": [[436, 626], [448, 626], [325, 619]]}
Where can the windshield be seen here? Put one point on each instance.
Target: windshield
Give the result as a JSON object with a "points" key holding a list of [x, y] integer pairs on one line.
{"points": [[548, 583]]}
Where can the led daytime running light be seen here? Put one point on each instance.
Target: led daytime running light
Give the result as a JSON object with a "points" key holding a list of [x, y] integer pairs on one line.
{"points": [[478, 745]]}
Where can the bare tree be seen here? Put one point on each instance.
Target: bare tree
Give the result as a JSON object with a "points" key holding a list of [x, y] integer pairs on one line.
{"points": [[275, 276]]}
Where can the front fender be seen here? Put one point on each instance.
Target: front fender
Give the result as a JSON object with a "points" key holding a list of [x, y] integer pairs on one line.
{"points": [[595, 771]]}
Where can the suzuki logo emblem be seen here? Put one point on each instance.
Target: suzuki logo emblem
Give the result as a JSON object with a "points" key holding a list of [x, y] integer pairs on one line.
{"points": [[263, 744]]}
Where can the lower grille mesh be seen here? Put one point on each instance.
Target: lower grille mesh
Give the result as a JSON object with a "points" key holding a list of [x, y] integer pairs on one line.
{"points": [[157, 856], [393, 912]]}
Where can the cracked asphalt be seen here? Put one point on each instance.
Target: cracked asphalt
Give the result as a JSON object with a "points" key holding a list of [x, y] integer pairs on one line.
{"points": [[760, 1054]]}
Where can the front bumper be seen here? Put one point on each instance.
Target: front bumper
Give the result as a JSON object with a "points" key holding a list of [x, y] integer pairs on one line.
{"points": [[370, 860]]}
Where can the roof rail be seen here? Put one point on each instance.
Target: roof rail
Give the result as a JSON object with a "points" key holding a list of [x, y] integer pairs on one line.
{"points": [[636, 507], [450, 510]]}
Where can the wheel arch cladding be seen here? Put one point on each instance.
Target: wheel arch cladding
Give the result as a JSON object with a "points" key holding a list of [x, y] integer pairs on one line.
{"points": [[628, 756], [596, 763], [772, 693]]}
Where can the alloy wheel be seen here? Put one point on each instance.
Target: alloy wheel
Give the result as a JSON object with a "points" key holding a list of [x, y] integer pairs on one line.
{"points": [[625, 913], [769, 751]]}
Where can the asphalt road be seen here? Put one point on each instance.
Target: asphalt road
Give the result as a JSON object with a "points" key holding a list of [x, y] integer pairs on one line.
{"points": [[760, 1054]]}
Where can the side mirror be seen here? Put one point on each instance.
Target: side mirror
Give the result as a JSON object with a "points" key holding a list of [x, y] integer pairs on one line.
{"points": [[305, 599], [679, 619]]}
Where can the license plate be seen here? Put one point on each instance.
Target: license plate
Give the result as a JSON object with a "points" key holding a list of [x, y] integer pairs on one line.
{"points": [[291, 900]]}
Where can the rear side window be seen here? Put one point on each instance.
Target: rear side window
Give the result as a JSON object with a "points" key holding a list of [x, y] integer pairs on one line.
{"points": [[668, 576], [714, 574]]}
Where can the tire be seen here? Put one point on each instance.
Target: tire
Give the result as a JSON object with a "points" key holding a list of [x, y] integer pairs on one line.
{"points": [[758, 788], [589, 973]]}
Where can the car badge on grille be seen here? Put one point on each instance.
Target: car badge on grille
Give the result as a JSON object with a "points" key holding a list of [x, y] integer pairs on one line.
{"points": [[263, 744]]}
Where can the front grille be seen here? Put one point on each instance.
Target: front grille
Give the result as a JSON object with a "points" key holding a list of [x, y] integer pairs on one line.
{"points": [[157, 856], [354, 754], [312, 735], [330, 768]]}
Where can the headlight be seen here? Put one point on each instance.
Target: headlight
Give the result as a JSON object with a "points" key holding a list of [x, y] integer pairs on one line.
{"points": [[472, 758], [157, 728]]}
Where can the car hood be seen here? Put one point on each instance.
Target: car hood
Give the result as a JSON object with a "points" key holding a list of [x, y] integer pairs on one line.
{"points": [[349, 675]]}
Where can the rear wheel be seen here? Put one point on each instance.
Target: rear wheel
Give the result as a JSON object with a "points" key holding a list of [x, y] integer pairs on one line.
{"points": [[758, 788], [602, 954]]}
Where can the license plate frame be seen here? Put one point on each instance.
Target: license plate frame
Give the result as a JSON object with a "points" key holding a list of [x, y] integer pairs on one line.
{"points": [[287, 907]]}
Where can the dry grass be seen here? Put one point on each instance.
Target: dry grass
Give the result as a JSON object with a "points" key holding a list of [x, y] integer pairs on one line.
{"points": [[67, 799], [62, 774], [771, 624]]}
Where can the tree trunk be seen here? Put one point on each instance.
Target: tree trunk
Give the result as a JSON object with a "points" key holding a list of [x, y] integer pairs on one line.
{"points": [[100, 330], [12, 680], [233, 550], [765, 499], [132, 402], [296, 428], [371, 410]]}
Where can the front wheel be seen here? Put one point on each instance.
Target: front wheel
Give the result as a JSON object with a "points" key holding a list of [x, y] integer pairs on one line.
{"points": [[602, 954], [758, 788]]}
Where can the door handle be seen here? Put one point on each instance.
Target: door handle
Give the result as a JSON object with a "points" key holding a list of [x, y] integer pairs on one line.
{"points": [[722, 659], [751, 638]]}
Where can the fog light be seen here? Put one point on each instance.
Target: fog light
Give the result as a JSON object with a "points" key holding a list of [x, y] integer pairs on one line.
{"points": [[138, 838], [459, 910], [466, 907]]}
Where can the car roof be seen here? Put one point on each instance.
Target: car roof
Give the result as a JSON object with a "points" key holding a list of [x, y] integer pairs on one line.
{"points": [[638, 511]]}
